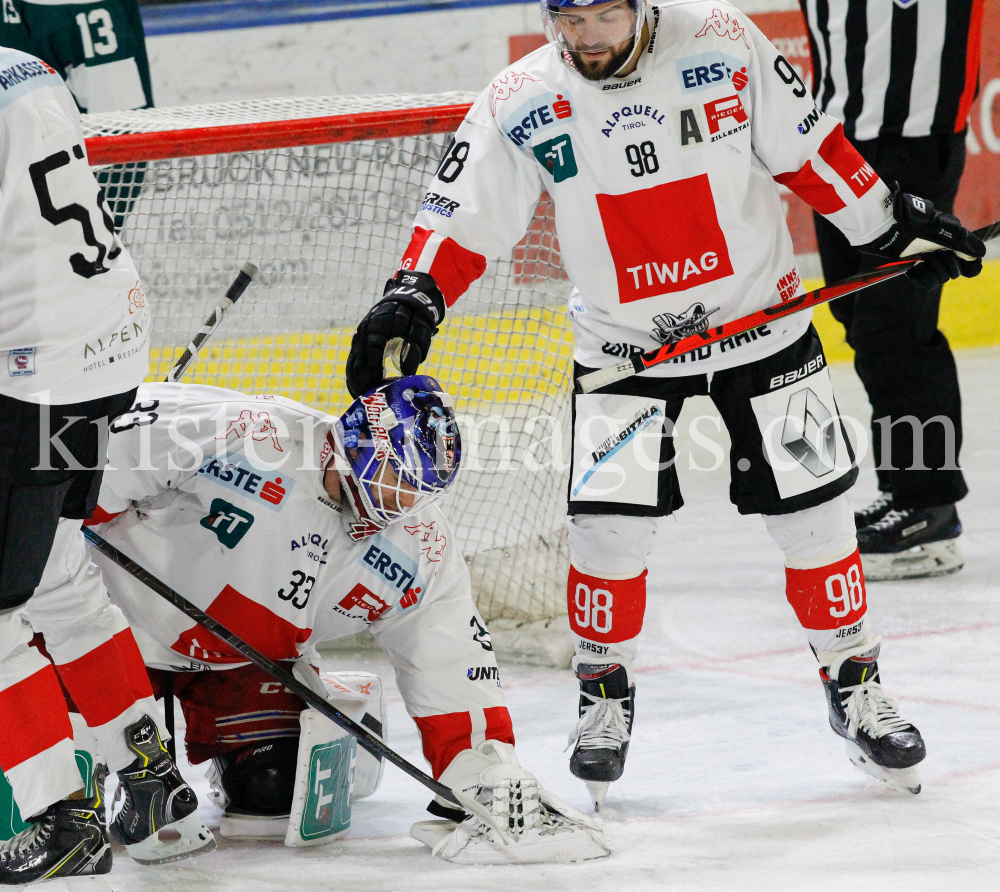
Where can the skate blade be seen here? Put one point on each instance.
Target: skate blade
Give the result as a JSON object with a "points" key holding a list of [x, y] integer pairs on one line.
{"points": [[86, 884], [598, 790], [919, 562], [195, 839], [906, 780]]}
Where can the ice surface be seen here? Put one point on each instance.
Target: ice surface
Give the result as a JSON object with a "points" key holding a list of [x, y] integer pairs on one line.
{"points": [[734, 779]]}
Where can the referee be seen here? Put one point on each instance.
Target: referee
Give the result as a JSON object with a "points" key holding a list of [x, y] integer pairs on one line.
{"points": [[901, 75]]}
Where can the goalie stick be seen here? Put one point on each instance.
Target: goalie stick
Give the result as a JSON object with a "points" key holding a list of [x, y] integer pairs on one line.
{"points": [[235, 292], [364, 737], [635, 365]]}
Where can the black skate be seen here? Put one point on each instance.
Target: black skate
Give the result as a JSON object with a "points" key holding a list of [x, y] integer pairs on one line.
{"points": [[879, 742], [156, 797], [874, 512], [910, 543], [600, 739], [69, 839]]}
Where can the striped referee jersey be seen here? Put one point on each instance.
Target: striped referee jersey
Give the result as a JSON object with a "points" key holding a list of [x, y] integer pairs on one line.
{"points": [[895, 67]]}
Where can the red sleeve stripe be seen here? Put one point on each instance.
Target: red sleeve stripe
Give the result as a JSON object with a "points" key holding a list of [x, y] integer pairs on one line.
{"points": [[33, 718], [972, 51], [445, 736], [452, 267], [100, 516], [845, 160], [812, 189]]}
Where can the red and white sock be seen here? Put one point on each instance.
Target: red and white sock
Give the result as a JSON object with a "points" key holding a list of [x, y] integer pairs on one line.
{"points": [[605, 615], [829, 599]]}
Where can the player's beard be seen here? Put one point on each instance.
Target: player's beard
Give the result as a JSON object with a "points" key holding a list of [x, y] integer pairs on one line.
{"points": [[599, 71]]}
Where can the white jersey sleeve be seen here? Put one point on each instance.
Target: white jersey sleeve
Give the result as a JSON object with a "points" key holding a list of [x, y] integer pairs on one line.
{"points": [[74, 324]]}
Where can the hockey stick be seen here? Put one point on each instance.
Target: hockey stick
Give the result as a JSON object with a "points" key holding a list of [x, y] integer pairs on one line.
{"points": [[368, 740], [235, 292], [636, 364]]}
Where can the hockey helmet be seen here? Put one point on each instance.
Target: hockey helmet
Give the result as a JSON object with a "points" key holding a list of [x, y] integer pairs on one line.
{"points": [[400, 451], [573, 26]]}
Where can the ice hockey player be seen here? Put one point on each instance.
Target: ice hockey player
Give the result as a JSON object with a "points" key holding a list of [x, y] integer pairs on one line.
{"points": [[74, 337], [662, 134], [293, 527]]}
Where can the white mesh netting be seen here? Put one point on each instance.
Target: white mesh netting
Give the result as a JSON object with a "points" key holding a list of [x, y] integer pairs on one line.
{"points": [[326, 225]]}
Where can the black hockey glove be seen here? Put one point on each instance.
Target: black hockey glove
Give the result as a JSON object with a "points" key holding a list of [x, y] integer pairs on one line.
{"points": [[411, 308], [920, 230]]}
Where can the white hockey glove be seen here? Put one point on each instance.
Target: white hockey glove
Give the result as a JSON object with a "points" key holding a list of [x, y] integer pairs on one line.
{"points": [[540, 827]]}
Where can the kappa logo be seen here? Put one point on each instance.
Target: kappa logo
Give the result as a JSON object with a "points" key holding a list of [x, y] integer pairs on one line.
{"points": [[427, 533], [481, 636], [506, 86], [260, 427], [670, 328], [724, 26]]}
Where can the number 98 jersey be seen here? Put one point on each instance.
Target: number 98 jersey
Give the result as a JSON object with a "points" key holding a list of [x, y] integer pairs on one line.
{"points": [[73, 316]]}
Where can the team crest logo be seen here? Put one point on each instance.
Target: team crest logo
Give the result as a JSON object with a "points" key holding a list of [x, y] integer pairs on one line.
{"points": [[670, 328], [724, 26]]}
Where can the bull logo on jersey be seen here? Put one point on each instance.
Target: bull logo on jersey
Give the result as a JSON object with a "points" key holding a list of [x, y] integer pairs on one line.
{"points": [[506, 86], [260, 427], [724, 26], [693, 321]]}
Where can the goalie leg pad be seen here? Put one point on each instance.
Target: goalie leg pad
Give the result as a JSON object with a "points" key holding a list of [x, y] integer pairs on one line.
{"points": [[359, 695], [321, 804]]}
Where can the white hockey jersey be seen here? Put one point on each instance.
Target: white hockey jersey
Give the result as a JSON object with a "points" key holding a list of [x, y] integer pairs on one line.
{"points": [[73, 316], [222, 498], [666, 206]]}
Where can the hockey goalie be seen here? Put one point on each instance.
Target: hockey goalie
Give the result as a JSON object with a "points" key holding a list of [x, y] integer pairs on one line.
{"points": [[292, 527]]}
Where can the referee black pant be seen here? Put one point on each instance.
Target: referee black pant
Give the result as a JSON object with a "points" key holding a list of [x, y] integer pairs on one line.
{"points": [[903, 360]]}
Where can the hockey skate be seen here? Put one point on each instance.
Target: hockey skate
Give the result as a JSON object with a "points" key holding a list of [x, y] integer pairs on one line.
{"points": [[600, 739], [156, 797], [878, 741], [911, 543], [67, 840], [529, 825]]}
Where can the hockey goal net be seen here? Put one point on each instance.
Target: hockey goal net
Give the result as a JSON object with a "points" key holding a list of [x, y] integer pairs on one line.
{"points": [[320, 194]]}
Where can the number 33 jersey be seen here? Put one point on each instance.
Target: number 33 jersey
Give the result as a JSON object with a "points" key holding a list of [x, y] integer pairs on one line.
{"points": [[668, 213], [222, 498], [74, 324]]}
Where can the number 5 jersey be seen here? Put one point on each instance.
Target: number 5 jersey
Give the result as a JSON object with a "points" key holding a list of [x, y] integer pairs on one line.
{"points": [[74, 323]]}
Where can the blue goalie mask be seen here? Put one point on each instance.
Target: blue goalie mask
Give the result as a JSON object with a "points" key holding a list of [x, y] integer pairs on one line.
{"points": [[402, 445]]}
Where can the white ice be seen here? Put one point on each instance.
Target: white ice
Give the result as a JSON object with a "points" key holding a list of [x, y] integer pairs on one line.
{"points": [[734, 779]]}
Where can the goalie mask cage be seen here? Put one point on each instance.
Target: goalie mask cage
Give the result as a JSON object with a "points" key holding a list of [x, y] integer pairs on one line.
{"points": [[320, 194]]}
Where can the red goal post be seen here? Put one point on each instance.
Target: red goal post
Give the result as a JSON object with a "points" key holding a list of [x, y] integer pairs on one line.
{"points": [[320, 194]]}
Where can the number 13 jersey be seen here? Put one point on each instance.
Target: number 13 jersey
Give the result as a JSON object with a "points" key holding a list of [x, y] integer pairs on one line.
{"points": [[74, 324], [669, 216]]}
